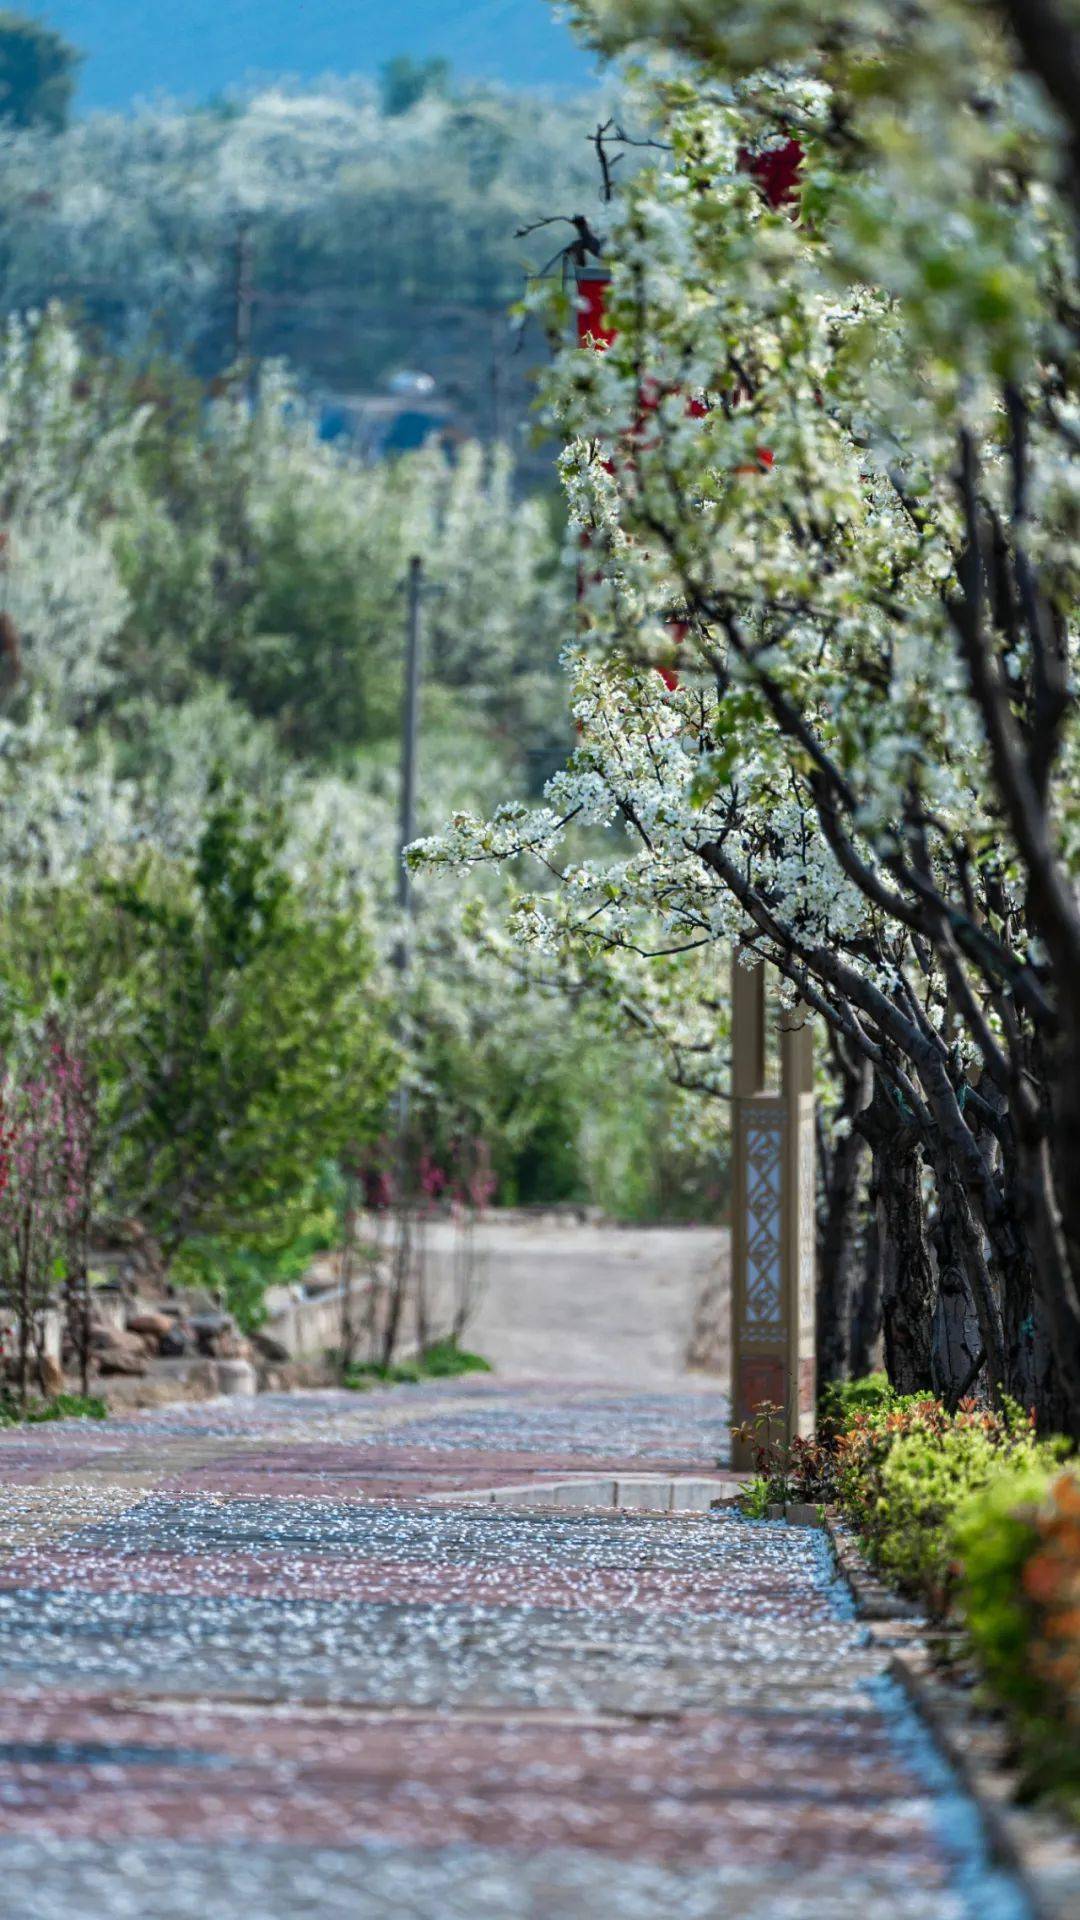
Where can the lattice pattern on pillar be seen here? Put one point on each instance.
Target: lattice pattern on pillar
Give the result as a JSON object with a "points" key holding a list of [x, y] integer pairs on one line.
{"points": [[807, 1220], [764, 1308]]}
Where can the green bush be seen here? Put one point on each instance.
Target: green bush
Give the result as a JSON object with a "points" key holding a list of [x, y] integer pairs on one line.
{"points": [[995, 1535], [64, 1406], [907, 1469], [926, 1481], [972, 1511], [241, 1274], [256, 1047], [1018, 1544], [841, 1400], [443, 1360]]}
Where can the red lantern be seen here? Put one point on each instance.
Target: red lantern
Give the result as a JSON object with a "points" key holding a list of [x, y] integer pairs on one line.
{"points": [[776, 170], [593, 280]]}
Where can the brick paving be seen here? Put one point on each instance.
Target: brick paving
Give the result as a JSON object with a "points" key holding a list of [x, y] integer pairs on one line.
{"points": [[246, 1668]]}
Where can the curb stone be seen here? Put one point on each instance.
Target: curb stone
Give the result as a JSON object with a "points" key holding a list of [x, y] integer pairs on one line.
{"points": [[1037, 1846], [685, 1496], [797, 1513]]}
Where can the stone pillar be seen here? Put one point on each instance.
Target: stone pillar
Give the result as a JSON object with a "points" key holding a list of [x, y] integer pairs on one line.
{"points": [[772, 1216]]}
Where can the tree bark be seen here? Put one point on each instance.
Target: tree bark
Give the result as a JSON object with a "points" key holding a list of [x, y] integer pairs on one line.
{"points": [[1054, 1189], [958, 1354], [905, 1266], [838, 1239], [865, 1354]]}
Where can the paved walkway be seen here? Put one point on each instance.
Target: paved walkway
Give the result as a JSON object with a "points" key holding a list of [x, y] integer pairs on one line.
{"points": [[249, 1668]]}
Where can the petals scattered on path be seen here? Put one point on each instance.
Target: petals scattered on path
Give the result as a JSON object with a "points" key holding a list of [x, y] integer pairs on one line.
{"points": [[245, 1669]]}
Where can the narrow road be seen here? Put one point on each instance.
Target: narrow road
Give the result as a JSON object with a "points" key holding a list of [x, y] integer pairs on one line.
{"points": [[628, 1305], [264, 1659]]}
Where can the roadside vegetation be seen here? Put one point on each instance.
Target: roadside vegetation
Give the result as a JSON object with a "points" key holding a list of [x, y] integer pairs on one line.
{"points": [[62, 1406], [977, 1519], [443, 1360]]}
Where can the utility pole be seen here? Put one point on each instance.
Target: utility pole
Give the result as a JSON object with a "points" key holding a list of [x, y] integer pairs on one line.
{"points": [[244, 302], [403, 1250], [409, 731], [498, 395]]}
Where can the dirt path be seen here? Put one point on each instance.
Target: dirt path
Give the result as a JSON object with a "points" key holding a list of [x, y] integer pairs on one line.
{"points": [[597, 1303]]}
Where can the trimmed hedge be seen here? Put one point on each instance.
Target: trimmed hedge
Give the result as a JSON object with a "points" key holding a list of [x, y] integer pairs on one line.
{"points": [[971, 1512], [905, 1471], [1018, 1548]]}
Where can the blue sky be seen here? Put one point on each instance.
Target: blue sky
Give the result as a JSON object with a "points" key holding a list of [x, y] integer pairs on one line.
{"points": [[196, 48]]}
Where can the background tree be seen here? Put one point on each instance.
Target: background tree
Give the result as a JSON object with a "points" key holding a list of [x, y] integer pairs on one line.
{"points": [[38, 70], [404, 81]]}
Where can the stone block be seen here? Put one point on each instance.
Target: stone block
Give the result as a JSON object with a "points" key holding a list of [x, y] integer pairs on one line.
{"points": [[802, 1514], [695, 1496], [644, 1496], [582, 1493], [236, 1377]]}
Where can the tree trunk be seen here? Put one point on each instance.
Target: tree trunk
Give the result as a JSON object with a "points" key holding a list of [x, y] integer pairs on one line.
{"points": [[907, 1275], [1052, 1184], [401, 1267], [865, 1356], [958, 1353], [840, 1164], [838, 1257]]}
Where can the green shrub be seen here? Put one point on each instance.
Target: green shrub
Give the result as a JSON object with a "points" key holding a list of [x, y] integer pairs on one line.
{"points": [[841, 1400], [756, 1499], [64, 1406], [972, 1510], [258, 1045], [995, 1534], [240, 1275], [1018, 1544], [907, 1469], [443, 1360], [798, 1471]]}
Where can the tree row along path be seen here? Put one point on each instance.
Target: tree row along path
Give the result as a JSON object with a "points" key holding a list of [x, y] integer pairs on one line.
{"points": [[265, 1658]]}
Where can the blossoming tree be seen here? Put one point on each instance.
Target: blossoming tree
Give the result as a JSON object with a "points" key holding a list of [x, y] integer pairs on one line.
{"points": [[863, 535]]}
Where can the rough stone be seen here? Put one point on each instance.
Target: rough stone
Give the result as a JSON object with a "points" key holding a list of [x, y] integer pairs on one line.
{"points": [[51, 1375], [117, 1343], [215, 1335], [120, 1360], [270, 1349], [157, 1325], [236, 1377]]}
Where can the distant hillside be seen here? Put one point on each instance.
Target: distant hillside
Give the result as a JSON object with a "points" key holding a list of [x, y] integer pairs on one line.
{"points": [[196, 49], [310, 226]]}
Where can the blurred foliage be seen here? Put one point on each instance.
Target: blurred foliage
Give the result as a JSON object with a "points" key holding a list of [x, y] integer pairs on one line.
{"points": [[37, 74], [235, 1028], [198, 812], [443, 1360], [575, 1109], [906, 1469], [1018, 1543], [256, 1048], [62, 1406], [970, 1512], [380, 223]]}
